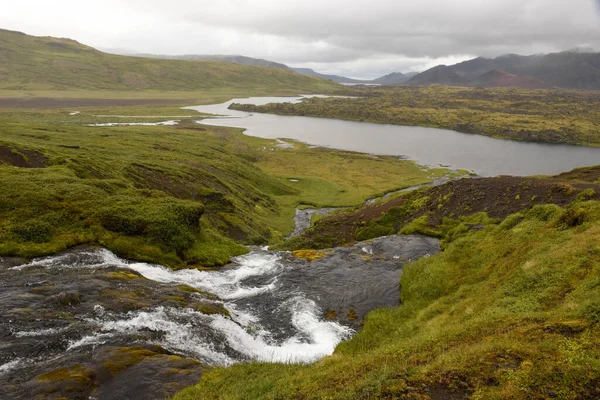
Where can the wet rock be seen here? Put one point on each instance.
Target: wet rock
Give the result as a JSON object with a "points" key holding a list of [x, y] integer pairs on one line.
{"points": [[70, 298]]}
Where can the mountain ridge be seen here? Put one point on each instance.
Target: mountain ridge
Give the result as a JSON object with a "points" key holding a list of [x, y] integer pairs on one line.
{"points": [[565, 70]]}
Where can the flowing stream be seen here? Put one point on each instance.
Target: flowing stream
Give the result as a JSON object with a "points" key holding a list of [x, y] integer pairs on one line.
{"points": [[115, 329], [82, 306]]}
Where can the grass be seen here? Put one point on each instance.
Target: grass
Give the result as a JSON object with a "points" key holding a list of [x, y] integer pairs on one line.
{"points": [[551, 116], [182, 196], [506, 312], [46, 63]]}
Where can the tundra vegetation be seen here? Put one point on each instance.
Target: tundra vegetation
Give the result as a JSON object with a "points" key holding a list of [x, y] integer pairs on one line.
{"points": [[549, 116], [183, 195], [509, 310]]}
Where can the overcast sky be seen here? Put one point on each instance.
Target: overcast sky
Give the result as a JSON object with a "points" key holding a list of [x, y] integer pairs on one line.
{"points": [[363, 39]]}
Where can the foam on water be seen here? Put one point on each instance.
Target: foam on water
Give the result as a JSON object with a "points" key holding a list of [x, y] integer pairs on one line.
{"points": [[41, 332], [11, 365], [227, 284], [178, 327], [316, 338], [185, 330]]}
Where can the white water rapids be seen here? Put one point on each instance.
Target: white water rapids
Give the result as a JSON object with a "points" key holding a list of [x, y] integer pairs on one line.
{"points": [[303, 336]]}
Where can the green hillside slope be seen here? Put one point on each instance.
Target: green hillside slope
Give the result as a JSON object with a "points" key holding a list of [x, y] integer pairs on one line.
{"points": [[509, 310], [44, 63]]}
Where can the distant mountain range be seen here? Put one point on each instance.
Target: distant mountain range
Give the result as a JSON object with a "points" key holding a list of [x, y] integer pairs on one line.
{"points": [[567, 70], [335, 78], [575, 69], [394, 78]]}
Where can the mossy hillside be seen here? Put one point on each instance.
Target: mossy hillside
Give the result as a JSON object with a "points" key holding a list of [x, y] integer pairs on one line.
{"points": [[181, 195], [551, 116], [507, 311], [46, 63], [446, 210]]}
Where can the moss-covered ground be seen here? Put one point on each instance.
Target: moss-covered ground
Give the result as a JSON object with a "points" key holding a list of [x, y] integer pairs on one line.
{"points": [[510, 310], [184, 195]]}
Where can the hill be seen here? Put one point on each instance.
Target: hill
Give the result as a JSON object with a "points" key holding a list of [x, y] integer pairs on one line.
{"points": [[335, 78], [509, 310], [441, 75], [496, 78], [235, 59], [567, 69], [395, 78], [46, 63]]}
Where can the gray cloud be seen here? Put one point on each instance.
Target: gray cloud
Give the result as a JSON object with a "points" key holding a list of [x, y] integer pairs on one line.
{"points": [[355, 37]]}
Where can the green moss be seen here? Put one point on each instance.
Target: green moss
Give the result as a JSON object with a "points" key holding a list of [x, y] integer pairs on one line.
{"points": [[212, 308], [123, 358], [76, 373], [121, 276], [308, 255]]}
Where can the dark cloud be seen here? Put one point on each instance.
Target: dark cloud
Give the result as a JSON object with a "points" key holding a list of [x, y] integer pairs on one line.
{"points": [[367, 37]]}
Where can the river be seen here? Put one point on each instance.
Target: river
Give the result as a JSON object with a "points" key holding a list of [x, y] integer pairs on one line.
{"points": [[428, 146], [86, 310]]}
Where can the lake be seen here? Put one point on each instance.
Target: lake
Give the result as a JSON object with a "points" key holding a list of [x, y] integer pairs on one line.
{"points": [[427, 146]]}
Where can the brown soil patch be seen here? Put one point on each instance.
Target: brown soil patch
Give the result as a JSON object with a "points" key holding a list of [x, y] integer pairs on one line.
{"points": [[587, 174], [41, 102], [499, 197], [22, 158]]}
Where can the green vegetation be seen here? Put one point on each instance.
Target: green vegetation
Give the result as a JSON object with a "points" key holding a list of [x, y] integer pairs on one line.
{"points": [[508, 311], [552, 116], [442, 211], [45, 63], [185, 195]]}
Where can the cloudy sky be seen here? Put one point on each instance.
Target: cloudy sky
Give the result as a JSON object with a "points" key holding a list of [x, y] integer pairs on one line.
{"points": [[363, 39]]}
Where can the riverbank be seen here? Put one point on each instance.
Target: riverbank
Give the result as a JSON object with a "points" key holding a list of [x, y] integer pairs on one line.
{"points": [[435, 211], [183, 195], [509, 309], [82, 323]]}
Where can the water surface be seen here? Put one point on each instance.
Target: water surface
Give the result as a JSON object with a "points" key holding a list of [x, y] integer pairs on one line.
{"points": [[428, 146]]}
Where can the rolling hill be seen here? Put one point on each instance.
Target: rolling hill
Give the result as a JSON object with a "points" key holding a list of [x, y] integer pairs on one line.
{"points": [[395, 78], [335, 78], [46, 63], [235, 59]]}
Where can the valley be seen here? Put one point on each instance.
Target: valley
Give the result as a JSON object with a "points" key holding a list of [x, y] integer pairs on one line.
{"points": [[149, 246]]}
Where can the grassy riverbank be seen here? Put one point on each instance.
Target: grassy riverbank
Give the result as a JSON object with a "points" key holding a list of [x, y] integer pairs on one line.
{"points": [[184, 195], [510, 310], [549, 116]]}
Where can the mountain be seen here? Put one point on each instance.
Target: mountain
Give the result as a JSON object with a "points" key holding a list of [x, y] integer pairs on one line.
{"points": [[568, 69], [395, 78], [335, 78], [496, 78], [442, 75], [235, 59], [31, 62]]}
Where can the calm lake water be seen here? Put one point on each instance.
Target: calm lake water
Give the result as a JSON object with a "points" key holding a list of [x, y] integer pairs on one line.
{"points": [[428, 146]]}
